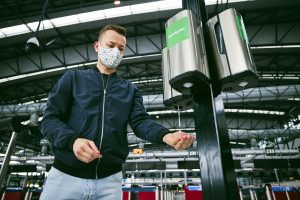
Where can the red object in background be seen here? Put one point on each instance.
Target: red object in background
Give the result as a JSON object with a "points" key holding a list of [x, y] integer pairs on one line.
{"points": [[280, 195], [146, 196], [14, 196], [193, 195], [294, 195], [125, 195]]}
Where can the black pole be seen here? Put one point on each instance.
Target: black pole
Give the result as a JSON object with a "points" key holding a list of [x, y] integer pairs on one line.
{"points": [[10, 150], [14, 124], [215, 157]]}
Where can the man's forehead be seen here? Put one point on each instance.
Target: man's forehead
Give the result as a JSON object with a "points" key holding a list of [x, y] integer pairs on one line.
{"points": [[113, 36]]}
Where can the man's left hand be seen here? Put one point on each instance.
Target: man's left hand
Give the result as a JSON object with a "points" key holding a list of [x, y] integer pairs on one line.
{"points": [[179, 140]]}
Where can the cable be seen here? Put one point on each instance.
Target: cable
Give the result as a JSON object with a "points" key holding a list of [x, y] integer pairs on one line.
{"points": [[226, 5], [216, 8], [42, 17]]}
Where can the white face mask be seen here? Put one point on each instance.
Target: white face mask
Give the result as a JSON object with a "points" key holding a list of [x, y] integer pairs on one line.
{"points": [[110, 57]]}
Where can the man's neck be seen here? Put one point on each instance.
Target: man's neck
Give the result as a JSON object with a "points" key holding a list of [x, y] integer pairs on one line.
{"points": [[105, 70]]}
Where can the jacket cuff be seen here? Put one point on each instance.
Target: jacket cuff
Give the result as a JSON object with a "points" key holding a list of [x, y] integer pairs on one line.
{"points": [[165, 132], [71, 141]]}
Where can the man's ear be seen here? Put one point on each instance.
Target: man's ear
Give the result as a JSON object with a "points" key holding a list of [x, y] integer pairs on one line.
{"points": [[96, 45]]}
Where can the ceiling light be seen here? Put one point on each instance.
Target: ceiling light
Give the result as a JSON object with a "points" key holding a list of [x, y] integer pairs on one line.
{"points": [[117, 2]]}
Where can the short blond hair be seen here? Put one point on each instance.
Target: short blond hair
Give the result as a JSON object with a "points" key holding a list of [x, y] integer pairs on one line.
{"points": [[119, 29]]}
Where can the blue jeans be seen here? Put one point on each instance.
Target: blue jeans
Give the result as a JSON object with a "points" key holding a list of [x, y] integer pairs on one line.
{"points": [[61, 186]]}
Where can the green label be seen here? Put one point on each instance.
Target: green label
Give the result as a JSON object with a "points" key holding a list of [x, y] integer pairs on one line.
{"points": [[177, 31], [241, 28]]}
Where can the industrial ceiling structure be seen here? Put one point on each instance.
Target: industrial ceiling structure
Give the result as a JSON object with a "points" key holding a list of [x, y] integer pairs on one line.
{"points": [[264, 116]]}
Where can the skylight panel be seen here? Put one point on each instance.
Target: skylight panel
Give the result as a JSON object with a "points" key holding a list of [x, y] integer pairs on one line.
{"points": [[65, 21], [91, 16], [2, 35], [15, 30], [169, 4], [117, 12], [45, 24]]}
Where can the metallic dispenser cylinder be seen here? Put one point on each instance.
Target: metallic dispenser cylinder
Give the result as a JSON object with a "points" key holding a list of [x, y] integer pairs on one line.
{"points": [[235, 66], [187, 54], [172, 98]]}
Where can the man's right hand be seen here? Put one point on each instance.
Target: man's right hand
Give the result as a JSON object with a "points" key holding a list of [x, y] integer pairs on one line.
{"points": [[85, 150]]}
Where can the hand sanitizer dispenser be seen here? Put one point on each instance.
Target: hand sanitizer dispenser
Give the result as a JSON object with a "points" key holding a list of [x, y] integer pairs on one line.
{"points": [[173, 99], [187, 56], [235, 66]]}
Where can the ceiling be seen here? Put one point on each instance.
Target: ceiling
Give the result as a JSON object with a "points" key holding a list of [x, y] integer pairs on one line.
{"points": [[273, 29]]}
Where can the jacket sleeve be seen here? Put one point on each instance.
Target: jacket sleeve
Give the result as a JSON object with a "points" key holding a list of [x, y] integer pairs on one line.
{"points": [[141, 123], [53, 126]]}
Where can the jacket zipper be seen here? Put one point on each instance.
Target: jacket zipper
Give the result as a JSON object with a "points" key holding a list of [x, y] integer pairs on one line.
{"points": [[102, 121]]}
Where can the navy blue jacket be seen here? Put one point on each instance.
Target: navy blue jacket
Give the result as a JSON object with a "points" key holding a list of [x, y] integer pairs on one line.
{"points": [[74, 110]]}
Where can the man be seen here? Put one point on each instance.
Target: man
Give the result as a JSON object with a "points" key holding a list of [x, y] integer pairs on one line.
{"points": [[86, 123]]}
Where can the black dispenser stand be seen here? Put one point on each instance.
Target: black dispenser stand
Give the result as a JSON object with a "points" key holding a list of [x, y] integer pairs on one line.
{"points": [[216, 163]]}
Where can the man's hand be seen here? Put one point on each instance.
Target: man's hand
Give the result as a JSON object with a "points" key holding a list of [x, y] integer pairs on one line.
{"points": [[179, 140], [85, 150]]}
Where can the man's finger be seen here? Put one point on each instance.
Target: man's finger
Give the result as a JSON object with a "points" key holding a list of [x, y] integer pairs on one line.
{"points": [[184, 143], [179, 145], [83, 156], [93, 146]]}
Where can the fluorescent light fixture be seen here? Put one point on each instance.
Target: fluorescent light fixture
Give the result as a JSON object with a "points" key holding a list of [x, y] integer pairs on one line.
{"points": [[145, 56], [40, 72], [240, 143], [15, 30], [91, 16], [183, 129], [294, 99], [276, 47], [45, 24], [65, 21], [147, 81], [269, 112], [213, 2], [168, 112], [13, 162]]}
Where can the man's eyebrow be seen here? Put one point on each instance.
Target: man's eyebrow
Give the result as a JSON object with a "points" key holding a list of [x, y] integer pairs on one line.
{"points": [[115, 43]]}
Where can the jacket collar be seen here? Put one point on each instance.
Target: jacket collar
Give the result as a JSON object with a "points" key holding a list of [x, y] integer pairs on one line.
{"points": [[97, 70]]}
